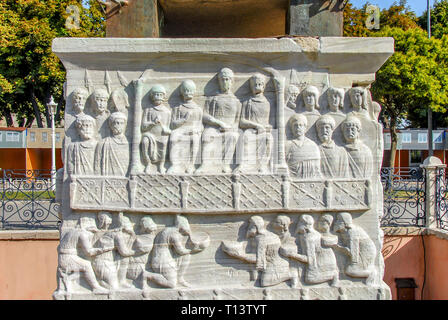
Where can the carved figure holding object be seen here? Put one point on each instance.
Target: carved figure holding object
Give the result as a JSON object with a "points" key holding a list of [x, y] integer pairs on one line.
{"points": [[155, 128]]}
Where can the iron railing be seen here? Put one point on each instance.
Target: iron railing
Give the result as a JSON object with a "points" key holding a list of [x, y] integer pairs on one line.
{"points": [[441, 201], [27, 200], [404, 197]]}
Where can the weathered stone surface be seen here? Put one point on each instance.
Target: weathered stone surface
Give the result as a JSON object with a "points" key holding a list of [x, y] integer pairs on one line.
{"points": [[221, 168]]}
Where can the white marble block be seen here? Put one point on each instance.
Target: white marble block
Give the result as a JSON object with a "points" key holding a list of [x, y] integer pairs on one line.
{"points": [[221, 169]]}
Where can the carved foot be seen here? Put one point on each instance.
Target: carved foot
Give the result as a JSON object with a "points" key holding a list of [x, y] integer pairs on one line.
{"points": [[184, 283], [100, 290]]}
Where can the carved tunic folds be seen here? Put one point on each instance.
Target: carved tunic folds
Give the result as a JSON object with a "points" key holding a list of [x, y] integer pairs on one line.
{"points": [[334, 161], [112, 156], [359, 160], [82, 157], [303, 158], [153, 117]]}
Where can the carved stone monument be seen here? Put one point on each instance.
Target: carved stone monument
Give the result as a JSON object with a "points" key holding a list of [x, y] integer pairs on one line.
{"points": [[221, 169]]}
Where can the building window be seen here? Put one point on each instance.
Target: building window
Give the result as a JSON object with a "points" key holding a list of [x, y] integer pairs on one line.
{"points": [[405, 288], [415, 157], [44, 137], [437, 137], [422, 138], [406, 137], [12, 137], [1, 136], [58, 136], [33, 136]]}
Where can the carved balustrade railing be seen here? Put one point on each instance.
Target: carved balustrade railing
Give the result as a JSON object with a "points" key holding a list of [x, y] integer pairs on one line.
{"points": [[404, 197], [27, 200]]}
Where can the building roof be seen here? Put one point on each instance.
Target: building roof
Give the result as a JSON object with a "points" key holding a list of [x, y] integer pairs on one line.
{"points": [[13, 129]]}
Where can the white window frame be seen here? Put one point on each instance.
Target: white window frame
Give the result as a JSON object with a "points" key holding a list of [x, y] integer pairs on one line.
{"points": [[57, 136], [438, 139], [44, 136], [12, 137], [422, 137], [33, 136], [407, 135]]}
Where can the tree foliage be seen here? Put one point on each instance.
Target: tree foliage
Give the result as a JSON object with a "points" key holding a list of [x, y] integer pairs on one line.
{"points": [[29, 71], [439, 19]]}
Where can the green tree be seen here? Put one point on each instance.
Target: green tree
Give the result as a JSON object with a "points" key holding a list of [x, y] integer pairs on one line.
{"points": [[398, 15], [29, 71], [414, 78], [439, 19]]}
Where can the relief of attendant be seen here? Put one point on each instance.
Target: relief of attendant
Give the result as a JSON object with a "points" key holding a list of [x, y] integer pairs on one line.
{"points": [[112, 154], [79, 98], [155, 131], [257, 139], [334, 160], [359, 155], [186, 126], [302, 154], [99, 101], [82, 153], [358, 100]]}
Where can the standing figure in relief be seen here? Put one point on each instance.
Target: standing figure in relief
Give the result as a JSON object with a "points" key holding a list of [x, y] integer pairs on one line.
{"points": [[220, 135], [69, 261], [257, 139], [320, 265], [186, 125], [100, 98], [170, 256], [311, 99], [112, 154], [119, 101], [334, 161], [142, 246], [79, 98], [281, 228], [272, 267], [358, 100], [124, 240], [155, 128], [291, 98], [82, 153], [358, 247], [328, 241], [335, 97], [104, 264], [359, 155], [302, 154]]}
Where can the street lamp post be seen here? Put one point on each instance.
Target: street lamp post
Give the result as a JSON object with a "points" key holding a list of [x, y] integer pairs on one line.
{"points": [[430, 148], [52, 110]]}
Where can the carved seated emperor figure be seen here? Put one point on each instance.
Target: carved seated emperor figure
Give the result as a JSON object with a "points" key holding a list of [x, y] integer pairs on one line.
{"points": [[257, 139], [220, 118], [112, 154], [81, 154], [302, 154], [186, 125], [155, 128]]}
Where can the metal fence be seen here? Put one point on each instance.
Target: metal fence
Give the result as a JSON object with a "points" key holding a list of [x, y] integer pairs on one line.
{"points": [[441, 200], [404, 197], [28, 200]]}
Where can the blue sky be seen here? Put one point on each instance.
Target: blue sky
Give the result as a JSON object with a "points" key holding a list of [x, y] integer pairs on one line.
{"points": [[418, 6]]}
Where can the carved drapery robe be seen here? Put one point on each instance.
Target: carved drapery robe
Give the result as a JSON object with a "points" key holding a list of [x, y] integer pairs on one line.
{"points": [[186, 123], [218, 146], [359, 160], [274, 269], [153, 133], [102, 125], [321, 264], [303, 158], [334, 161], [82, 157], [256, 146], [112, 156]]}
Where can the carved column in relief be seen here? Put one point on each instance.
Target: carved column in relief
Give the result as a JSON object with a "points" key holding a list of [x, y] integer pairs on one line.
{"points": [[136, 166]]}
